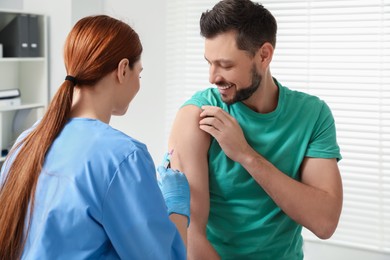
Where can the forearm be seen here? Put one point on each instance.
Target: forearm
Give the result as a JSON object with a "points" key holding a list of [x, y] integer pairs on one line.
{"points": [[200, 248], [315, 208], [181, 223]]}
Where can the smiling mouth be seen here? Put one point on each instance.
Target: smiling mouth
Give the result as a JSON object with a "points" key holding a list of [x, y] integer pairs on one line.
{"points": [[225, 87]]}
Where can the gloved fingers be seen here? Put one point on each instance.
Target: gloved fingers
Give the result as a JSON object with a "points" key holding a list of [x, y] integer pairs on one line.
{"points": [[166, 160], [162, 173], [161, 169]]}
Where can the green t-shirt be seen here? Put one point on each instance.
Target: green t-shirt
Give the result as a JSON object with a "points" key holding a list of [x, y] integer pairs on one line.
{"points": [[244, 222]]}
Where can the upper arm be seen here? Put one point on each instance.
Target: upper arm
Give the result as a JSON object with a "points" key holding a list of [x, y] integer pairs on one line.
{"points": [[190, 145], [323, 174], [319, 168]]}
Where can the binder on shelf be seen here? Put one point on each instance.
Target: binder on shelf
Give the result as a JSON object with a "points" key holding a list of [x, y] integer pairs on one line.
{"points": [[10, 97], [10, 102], [33, 36], [20, 37], [9, 93], [14, 37]]}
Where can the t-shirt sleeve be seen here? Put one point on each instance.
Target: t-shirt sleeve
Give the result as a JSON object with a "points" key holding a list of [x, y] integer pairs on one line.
{"points": [[135, 217], [199, 99], [323, 141]]}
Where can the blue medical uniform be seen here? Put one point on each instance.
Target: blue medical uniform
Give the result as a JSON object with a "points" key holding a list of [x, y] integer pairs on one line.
{"points": [[97, 198]]}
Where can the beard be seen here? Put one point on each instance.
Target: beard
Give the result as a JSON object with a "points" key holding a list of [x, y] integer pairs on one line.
{"points": [[245, 93]]}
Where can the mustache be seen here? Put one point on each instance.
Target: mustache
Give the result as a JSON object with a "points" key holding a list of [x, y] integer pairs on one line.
{"points": [[222, 83]]}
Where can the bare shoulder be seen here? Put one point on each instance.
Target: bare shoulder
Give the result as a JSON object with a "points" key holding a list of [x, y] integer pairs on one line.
{"points": [[186, 129], [187, 140]]}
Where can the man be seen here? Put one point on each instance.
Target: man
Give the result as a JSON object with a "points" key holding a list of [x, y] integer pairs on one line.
{"points": [[260, 158]]}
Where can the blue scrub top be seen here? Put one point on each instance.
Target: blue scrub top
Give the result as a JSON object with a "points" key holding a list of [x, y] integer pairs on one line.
{"points": [[97, 198]]}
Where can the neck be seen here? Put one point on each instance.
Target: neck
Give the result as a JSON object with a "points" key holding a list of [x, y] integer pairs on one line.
{"points": [[92, 102], [265, 99]]}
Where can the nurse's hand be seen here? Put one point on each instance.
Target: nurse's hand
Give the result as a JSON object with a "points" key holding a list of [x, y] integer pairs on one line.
{"points": [[176, 191]]}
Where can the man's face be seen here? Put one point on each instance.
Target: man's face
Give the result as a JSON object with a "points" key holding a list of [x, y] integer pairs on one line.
{"points": [[232, 70]]}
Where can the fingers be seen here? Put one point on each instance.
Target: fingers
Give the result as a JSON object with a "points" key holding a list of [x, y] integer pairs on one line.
{"points": [[213, 111], [161, 169], [161, 172], [210, 130], [212, 122], [223, 117], [167, 159]]}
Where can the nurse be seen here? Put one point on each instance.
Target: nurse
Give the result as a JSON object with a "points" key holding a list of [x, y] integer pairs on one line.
{"points": [[73, 187]]}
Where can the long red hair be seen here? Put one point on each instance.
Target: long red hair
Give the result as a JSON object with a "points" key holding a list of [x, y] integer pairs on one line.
{"points": [[92, 49]]}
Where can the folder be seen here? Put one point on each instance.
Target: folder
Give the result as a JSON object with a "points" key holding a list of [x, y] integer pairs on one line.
{"points": [[21, 37], [9, 93], [10, 97], [15, 37], [10, 102], [33, 36]]}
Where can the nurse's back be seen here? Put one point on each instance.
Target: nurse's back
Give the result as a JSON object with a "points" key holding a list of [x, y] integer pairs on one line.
{"points": [[71, 192]]}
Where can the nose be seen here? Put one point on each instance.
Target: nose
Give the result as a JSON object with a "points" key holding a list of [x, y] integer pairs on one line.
{"points": [[213, 75]]}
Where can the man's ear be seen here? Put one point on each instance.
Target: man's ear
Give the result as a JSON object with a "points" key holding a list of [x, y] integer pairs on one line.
{"points": [[265, 54], [122, 70]]}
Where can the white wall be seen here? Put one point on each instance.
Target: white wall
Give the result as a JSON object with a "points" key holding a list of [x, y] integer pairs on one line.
{"points": [[145, 119], [84, 8], [11, 4], [321, 251]]}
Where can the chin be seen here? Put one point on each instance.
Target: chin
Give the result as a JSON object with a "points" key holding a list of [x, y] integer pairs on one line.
{"points": [[228, 101], [119, 113]]}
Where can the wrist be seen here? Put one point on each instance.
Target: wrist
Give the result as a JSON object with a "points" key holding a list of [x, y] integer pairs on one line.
{"points": [[252, 160], [178, 206], [183, 216], [178, 209]]}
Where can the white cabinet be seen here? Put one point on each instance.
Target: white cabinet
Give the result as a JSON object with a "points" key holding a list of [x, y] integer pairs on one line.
{"points": [[28, 73]]}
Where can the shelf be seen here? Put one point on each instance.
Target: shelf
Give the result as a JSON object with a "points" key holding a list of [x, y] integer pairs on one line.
{"points": [[26, 71], [15, 59], [21, 107]]}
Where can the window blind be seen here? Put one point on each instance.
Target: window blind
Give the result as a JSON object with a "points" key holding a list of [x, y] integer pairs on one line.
{"points": [[187, 70], [339, 51]]}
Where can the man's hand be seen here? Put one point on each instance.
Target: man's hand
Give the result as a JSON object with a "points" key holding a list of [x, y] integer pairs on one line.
{"points": [[226, 130]]}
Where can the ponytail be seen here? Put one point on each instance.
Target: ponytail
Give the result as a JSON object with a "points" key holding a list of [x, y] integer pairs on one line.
{"points": [[18, 190]]}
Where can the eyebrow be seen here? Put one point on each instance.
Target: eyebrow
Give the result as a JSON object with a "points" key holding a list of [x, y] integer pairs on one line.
{"points": [[220, 60]]}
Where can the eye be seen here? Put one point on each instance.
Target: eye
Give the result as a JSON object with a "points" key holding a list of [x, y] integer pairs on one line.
{"points": [[226, 67]]}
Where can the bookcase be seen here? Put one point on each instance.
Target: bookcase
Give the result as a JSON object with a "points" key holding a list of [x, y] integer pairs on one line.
{"points": [[23, 67]]}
